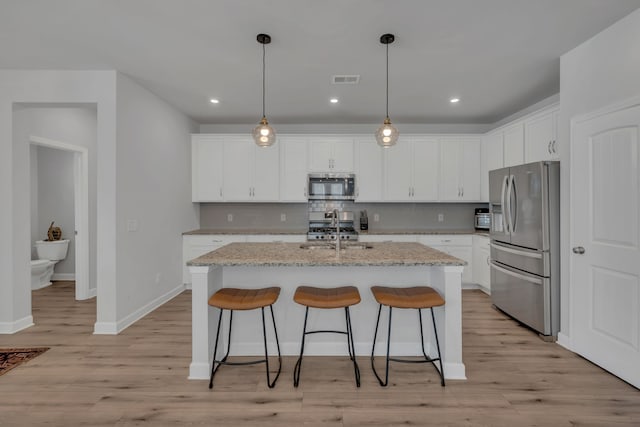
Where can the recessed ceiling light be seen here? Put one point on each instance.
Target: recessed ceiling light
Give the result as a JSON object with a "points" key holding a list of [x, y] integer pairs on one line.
{"points": [[333, 100], [215, 101], [454, 100]]}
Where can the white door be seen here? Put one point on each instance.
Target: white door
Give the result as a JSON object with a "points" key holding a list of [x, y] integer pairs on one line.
{"points": [[514, 145], [293, 169], [342, 155], [605, 263], [426, 156], [238, 161], [368, 170], [397, 173], [266, 174]]}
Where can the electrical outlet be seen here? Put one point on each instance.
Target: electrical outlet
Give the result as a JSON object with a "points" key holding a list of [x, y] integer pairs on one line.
{"points": [[229, 217], [283, 217], [440, 217], [376, 217]]}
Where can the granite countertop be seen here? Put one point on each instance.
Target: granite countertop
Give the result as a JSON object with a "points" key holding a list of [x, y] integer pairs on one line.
{"points": [[245, 231], [292, 255], [204, 231]]}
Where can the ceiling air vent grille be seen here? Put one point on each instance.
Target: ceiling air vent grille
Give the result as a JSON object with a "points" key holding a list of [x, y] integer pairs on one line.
{"points": [[345, 79]]}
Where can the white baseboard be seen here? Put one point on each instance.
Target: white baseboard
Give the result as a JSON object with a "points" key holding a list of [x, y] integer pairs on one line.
{"points": [[64, 276], [18, 325], [564, 341], [114, 328]]}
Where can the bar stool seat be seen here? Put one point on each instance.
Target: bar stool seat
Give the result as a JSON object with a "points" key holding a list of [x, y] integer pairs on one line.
{"points": [[245, 299], [327, 298], [415, 297]]}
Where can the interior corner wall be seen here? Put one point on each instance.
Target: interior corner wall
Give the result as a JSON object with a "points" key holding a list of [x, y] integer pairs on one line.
{"points": [[153, 199], [600, 72], [32, 87]]}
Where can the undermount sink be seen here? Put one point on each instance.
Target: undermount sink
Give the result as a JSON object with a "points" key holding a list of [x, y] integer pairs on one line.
{"points": [[331, 245]]}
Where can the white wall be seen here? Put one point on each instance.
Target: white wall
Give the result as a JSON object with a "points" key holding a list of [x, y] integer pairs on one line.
{"points": [[602, 71], [17, 89], [154, 190]]}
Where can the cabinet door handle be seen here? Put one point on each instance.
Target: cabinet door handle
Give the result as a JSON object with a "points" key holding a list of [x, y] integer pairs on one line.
{"points": [[462, 191], [553, 147], [549, 147], [488, 262], [220, 191]]}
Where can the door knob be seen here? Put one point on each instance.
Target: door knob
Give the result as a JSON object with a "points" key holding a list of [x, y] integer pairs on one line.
{"points": [[578, 250]]}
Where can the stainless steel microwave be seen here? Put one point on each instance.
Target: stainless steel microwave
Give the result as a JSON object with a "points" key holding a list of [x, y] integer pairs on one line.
{"points": [[331, 186]]}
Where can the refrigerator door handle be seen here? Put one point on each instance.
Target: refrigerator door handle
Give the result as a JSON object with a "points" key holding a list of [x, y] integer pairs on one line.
{"points": [[508, 209], [505, 182], [518, 275], [513, 214], [536, 255]]}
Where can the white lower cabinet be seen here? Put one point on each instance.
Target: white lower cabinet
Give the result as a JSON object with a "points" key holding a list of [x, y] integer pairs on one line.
{"points": [[276, 238], [195, 245], [457, 245], [481, 259], [373, 238]]}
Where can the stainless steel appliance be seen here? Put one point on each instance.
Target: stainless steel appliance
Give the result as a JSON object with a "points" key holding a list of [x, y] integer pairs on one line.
{"points": [[524, 203], [482, 219], [331, 186], [324, 226]]}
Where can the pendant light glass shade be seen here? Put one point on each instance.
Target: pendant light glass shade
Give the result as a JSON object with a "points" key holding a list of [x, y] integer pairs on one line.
{"points": [[263, 134], [387, 134]]}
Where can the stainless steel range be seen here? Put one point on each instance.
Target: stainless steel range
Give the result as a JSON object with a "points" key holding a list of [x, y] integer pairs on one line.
{"points": [[324, 226]]}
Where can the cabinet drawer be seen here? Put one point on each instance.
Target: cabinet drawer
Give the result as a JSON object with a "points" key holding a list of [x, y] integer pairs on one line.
{"points": [[212, 239], [372, 238], [446, 240], [276, 238]]}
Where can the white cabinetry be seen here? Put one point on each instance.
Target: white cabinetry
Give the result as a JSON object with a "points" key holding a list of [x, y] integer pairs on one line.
{"points": [[457, 245], [460, 169], [411, 171], [293, 169], [206, 168], [373, 238], [368, 170], [251, 173], [540, 137], [481, 258], [195, 245], [330, 154], [276, 238], [514, 145], [492, 158]]}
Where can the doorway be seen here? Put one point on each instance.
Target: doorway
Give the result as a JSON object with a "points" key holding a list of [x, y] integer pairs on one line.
{"points": [[81, 211]]}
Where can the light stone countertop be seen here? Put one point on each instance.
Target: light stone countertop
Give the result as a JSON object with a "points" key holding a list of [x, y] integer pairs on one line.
{"points": [[205, 231], [292, 255]]}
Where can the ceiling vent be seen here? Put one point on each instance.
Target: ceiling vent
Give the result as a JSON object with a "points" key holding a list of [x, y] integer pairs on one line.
{"points": [[345, 79]]}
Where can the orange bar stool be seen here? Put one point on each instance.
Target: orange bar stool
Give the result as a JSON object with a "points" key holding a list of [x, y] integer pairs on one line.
{"points": [[340, 297], [417, 297], [245, 299]]}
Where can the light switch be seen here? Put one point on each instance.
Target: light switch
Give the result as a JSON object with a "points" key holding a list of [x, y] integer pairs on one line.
{"points": [[440, 217], [229, 217]]}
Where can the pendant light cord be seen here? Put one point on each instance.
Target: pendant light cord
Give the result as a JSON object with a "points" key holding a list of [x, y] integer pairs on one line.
{"points": [[387, 79], [263, 71]]}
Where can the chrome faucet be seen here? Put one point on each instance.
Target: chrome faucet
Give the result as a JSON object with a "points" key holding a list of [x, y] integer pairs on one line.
{"points": [[336, 222]]}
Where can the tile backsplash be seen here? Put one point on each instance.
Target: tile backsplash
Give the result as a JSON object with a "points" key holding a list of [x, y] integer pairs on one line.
{"points": [[295, 216]]}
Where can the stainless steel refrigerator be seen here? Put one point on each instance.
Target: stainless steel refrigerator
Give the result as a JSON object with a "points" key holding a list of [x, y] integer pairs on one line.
{"points": [[524, 204]]}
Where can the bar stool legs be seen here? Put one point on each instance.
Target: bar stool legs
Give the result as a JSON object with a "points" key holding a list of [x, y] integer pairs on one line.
{"points": [[245, 299], [426, 359], [350, 345]]}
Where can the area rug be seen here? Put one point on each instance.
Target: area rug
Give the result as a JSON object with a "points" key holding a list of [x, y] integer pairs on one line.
{"points": [[12, 357]]}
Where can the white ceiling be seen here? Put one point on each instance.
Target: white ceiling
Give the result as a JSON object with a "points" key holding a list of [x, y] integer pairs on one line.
{"points": [[498, 56]]}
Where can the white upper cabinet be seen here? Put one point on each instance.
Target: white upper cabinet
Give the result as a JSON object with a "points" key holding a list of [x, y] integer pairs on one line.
{"points": [[460, 169], [492, 158], [540, 137], [411, 170], [330, 154], [206, 168], [233, 168], [368, 169], [514, 145], [293, 169]]}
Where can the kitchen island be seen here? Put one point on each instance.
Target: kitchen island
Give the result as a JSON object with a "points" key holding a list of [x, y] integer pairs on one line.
{"points": [[289, 265]]}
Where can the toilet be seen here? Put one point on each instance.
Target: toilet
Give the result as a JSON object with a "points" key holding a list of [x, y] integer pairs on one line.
{"points": [[49, 254]]}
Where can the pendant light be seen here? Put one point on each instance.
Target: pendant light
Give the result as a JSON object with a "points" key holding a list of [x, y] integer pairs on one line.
{"points": [[387, 134], [263, 134]]}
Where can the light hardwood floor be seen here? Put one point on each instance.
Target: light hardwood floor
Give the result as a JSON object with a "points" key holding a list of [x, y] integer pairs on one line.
{"points": [[140, 378]]}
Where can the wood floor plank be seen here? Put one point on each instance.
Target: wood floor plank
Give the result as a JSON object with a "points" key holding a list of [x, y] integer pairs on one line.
{"points": [[139, 378]]}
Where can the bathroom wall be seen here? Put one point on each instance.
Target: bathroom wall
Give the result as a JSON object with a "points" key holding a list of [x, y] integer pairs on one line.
{"points": [[55, 202]]}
